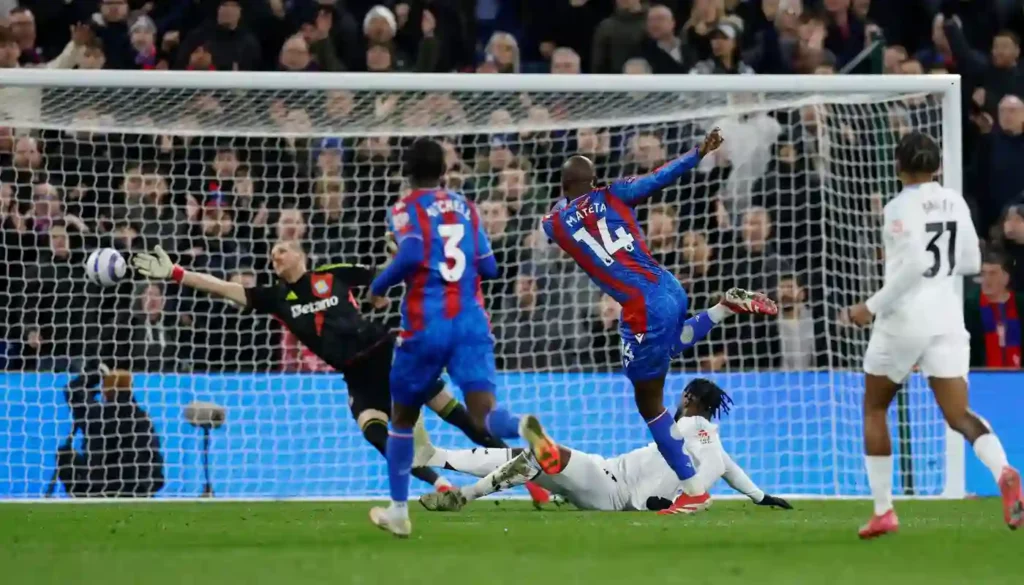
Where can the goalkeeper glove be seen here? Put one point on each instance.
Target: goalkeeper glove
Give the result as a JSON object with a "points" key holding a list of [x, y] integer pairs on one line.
{"points": [[157, 265], [774, 502]]}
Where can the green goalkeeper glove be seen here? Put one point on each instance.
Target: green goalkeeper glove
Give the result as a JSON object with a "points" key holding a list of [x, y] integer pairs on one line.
{"points": [[156, 265]]}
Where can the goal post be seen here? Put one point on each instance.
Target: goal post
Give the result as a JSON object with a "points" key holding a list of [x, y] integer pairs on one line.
{"points": [[217, 166]]}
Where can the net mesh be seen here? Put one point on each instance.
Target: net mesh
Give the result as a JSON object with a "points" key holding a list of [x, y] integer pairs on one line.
{"points": [[791, 205]]}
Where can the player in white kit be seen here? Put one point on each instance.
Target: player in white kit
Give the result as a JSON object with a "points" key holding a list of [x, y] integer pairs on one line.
{"points": [[930, 245], [638, 480]]}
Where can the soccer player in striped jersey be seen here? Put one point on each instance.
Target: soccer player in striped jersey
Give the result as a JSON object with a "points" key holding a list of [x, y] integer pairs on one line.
{"points": [[442, 255], [597, 227]]}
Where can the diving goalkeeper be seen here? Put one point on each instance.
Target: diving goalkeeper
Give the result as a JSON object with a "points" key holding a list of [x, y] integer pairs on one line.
{"points": [[320, 309], [638, 480]]}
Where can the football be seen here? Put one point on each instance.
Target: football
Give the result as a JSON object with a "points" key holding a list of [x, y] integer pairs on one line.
{"points": [[105, 267]]}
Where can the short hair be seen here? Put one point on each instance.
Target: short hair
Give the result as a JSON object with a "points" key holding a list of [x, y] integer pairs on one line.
{"points": [[1010, 35], [918, 153], [999, 258], [713, 400], [424, 161]]}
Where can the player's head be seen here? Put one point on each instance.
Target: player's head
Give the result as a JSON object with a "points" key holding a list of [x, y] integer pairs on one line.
{"points": [[577, 176], [702, 397], [289, 260], [424, 164], [918, 158]]}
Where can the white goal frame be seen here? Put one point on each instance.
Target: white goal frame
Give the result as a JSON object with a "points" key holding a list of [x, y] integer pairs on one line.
{"points": [[25, 80]]}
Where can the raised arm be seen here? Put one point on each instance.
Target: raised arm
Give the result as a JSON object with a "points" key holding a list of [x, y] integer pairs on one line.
{"points": [[158, 265], [634, 190]]}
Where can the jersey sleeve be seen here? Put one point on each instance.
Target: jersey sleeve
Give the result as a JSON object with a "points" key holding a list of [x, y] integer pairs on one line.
{"points": [[701, 438], [969, 261], [350, 274], [633, 190], [402, 224], [904, 246], [410, 254], [740, 481], [261, 299]]}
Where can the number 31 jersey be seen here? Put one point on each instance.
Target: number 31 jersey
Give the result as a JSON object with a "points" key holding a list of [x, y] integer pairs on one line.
{"points": [[930, 245], [446, 286]]}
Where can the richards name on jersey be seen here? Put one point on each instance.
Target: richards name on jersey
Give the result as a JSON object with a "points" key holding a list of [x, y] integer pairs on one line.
{"points": [[315, 306]]}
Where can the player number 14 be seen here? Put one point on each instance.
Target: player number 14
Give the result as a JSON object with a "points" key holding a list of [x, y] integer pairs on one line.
{"points": [[455, 259], [607, 247]]}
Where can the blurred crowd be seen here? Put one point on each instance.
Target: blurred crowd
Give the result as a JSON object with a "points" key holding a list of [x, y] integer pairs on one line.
{"points": [[791, 205]]}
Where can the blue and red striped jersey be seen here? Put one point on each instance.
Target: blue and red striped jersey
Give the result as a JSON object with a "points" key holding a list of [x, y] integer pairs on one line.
{"points": [[443, 254], [599, 231]]}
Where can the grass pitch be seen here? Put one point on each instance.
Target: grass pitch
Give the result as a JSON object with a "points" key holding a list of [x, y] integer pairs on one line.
{"points": [[333, 543]]}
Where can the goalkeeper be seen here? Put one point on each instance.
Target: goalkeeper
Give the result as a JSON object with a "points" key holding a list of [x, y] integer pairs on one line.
{"points": [[638, 480], [320, 309]]}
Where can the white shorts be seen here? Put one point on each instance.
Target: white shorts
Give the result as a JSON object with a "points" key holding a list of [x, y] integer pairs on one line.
{"points": [[939, 356], [587, 481]]}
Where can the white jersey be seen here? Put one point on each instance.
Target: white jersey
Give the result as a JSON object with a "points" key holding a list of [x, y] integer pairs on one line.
{"points": [[644, 473], [930, 244]]}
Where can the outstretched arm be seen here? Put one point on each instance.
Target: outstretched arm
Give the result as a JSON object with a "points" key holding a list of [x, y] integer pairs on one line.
{"points": [[158, 265], [634, 190], [741, 482], [406, 260]]}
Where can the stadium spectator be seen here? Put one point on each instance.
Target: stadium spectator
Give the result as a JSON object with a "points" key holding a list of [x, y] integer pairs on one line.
{"points": [[533, 336], [704, 17], [725, 57], [566, 23], [847, 32], [618, 37], [663, 235], [503, 51], [605, 347], [120, 454], [230, 43], [797, 328], [1010, 238], [334, 224], [152, 337], [661, 47], [992, 313], [999, 176], [565, 61], [110, 24], [997, 74]]}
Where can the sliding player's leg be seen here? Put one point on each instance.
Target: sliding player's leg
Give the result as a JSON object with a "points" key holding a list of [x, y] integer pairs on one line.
{"points": [[475, 462], [946, 363]]}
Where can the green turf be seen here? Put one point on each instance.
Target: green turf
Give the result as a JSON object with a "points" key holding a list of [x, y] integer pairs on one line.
{"points": [[298, 543]]}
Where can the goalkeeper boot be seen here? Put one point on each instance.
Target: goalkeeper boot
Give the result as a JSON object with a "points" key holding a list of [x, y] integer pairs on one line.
{"points": [[392, 520], [544, 449], [446, 501], [687, 504], [1013, 498], [743, 302], [880, 525]]}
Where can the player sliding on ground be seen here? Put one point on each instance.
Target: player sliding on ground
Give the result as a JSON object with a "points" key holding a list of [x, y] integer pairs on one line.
{"points": [[442, 253], [597, 227], [638, 480], [930, 245], [319, 308]]}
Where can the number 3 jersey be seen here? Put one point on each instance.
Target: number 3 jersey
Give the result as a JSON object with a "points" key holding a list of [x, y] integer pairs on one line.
{"points": [[443, 283], [930, 245]]}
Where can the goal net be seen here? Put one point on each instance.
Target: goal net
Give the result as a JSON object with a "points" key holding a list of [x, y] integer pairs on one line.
{"points": [[216, 167]]}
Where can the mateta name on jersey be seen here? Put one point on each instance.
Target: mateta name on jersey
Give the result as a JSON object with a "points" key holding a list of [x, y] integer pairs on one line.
{"points": [[582, 212], [315, 306]]}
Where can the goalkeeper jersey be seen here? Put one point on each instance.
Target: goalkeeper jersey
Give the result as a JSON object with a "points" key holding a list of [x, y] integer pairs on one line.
{"points": [[321, 311]]}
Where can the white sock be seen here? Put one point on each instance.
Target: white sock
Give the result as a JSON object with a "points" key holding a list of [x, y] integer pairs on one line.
{"points": [[476, 462], [719, 313], [399, 509], [880, 479], [990, 451], [693, 486]]}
